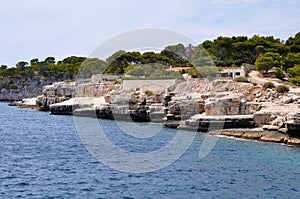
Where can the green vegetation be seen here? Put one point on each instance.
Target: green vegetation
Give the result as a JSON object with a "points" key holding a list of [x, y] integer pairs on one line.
{"points": [[149, 93], [150, 71], [295, 80], [13, 86], [295, 73], [267, 61], [282, 89], [265, 52], [279, 73], [268, 85], [241, 79], [236, 50], [3, 85], [194, 73]]}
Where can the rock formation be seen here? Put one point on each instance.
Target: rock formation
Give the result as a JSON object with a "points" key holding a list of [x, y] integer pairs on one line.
{"points": [[193, 104]]}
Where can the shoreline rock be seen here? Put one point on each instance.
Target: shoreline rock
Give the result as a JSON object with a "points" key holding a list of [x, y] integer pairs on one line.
{"points": [[216, 105], [258, 134], [206, 123], [25, 103]]}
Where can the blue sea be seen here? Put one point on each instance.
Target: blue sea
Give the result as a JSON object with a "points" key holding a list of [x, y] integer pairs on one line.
{"points": [[42, 156]]}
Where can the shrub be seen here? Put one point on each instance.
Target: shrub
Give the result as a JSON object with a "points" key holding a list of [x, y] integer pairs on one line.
{"points": [[149, 93], [295, 71], [3, 84], [268, 85], [282, 89], [295, 80], [13, 86], [241, 79], [117, 81], [279, 73]]}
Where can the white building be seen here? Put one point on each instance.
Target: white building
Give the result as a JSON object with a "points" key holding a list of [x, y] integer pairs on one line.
{"points": [[233, 72]]}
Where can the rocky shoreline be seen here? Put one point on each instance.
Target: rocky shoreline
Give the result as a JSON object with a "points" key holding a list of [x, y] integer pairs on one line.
{"points": [[259, 134], [220, 107]]}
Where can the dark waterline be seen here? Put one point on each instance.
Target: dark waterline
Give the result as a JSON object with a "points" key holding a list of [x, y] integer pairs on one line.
{"points": [[43, 157]]}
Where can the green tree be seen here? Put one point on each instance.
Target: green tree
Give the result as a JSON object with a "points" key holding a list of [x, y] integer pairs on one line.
{"points": [[135, 70], [50, 60], [295, 71], [3, 67], [201, 57], [109, 60], [21, 65], [178, 49], [91, 66], [34, 61], [294, 43], [279, 73], [193, 72], [267, 61], [291, 59], [72, 60]]}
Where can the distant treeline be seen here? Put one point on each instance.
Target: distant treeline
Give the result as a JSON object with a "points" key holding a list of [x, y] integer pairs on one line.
{"points": [[265, 52]]}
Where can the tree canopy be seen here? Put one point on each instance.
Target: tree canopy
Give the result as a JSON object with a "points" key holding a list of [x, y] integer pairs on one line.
{"points": [[267, 61], [265, 52]]}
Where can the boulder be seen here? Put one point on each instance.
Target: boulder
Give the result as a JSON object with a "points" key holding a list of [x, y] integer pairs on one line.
{"points": [[261, 118], [122, 99], [223, 106]]}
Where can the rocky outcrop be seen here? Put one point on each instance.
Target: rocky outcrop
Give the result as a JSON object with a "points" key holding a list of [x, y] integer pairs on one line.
{"points": [[206, 123], [230, 105], [25, 103], [278, 115], [116, 103], [67, 107], [258, 134], [97, 86], [193, 104], [55, 93], [29, 88], [293, 125]]}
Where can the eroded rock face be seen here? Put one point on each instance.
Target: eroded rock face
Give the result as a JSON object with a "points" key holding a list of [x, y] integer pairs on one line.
{"points": [[55, 93], [223, 106], [293, 125], [261, 118], [123, 99], [275, 114], [230, 105], [202, 122], [62, 91], [30, 88]]}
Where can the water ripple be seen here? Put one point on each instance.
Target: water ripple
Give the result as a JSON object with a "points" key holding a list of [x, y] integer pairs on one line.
{"points": [[43, 157]]}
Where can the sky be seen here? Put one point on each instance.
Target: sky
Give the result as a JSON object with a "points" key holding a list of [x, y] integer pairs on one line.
{"points": [[38, 29]]}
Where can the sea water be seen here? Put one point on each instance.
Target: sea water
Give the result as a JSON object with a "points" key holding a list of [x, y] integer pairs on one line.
{"points": [[42, 156]]}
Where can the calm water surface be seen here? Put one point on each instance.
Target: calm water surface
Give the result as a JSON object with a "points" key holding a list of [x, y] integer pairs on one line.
{"points": [[43, 157]]}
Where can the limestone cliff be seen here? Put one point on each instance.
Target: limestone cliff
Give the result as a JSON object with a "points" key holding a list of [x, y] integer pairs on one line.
{"points": [[18, 89]]}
